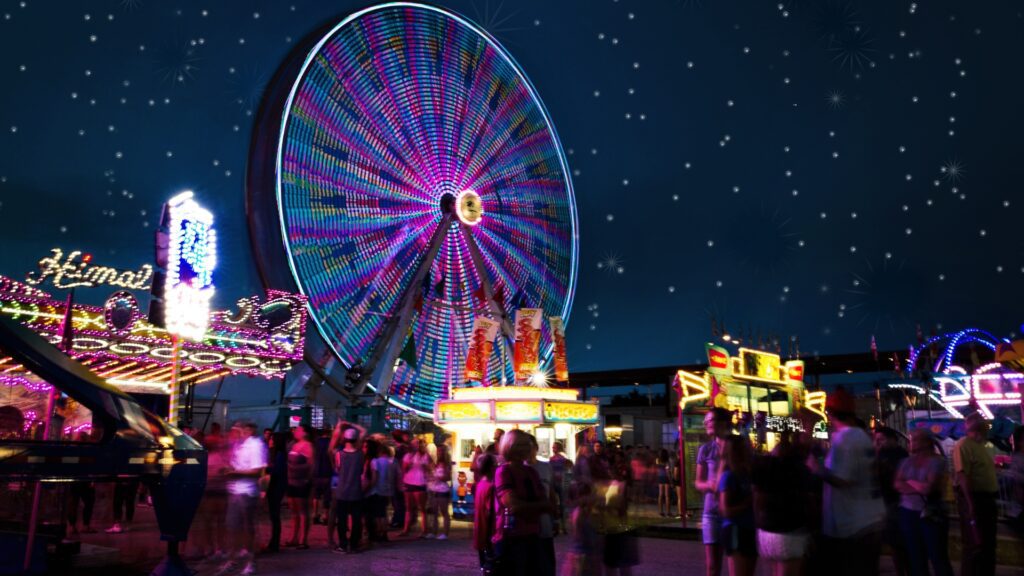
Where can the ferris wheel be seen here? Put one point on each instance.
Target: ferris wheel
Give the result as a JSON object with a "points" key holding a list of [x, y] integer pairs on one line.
{"points": [[406, 177]]}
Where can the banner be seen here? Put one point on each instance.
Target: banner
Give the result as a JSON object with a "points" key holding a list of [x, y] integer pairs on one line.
{"points": [[718, 359], [526, 355], [558, 337], [481, 342]]}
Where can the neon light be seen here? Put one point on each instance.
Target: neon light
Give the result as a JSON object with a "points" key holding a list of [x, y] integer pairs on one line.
{"points": [[191, 260], [70, 272], [692, 388], [513, 392]]}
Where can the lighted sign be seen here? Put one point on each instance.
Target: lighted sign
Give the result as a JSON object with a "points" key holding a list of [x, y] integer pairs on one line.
{"points": [[574, 412], [76, 270], [518, 411], [192, 257], [760, 364], [463, 412], [513, 392], [718, 359], [692, 388], [782, 424], [793, 371]]}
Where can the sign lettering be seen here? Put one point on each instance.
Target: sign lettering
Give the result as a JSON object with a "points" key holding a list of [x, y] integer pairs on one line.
{"points": [[77, 271]]}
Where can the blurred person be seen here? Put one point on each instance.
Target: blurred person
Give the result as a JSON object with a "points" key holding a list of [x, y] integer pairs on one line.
{"points": [[664, 475], [736, 506], [560, 472], [484, 512], [853, 514], [323, 471], [782, 495], [84, 493], [277, 472], [248, 459], [718, 427], [547, 563], [415, 468], [520, 502], [583, 558], [371, 450], [401, 439], [600, 466], [677, 480], [920, 482], [888, 456], [439, 495], [1016, 473], [210, 528], [125, 494], [348, 495], [977, 487], [382, 490], [300, 484], [581, 469], [620, 552]]}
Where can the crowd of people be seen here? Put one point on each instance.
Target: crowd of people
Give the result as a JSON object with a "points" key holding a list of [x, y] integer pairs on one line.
{"points": [[805, 509], [521, 504], [361, 487]]}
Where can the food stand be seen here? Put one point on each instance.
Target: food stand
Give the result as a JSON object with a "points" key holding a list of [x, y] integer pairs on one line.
{"points": [[472, 414], [766, 395]]}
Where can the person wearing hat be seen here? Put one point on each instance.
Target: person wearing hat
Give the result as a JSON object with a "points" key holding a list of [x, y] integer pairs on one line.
{"points": [[975, 477], [717, 425], [853, 514]]}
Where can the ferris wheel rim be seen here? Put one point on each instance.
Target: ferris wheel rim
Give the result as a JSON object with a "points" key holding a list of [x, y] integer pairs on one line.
{"points": [[566, 188]]}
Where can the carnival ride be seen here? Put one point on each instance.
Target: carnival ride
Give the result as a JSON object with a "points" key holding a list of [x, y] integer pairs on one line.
{"points": [[955, 376], [127, 442], [261, 338], [405, 176]]}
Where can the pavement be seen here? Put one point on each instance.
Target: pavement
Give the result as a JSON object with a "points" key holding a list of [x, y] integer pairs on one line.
{"points": [[135, 552]]}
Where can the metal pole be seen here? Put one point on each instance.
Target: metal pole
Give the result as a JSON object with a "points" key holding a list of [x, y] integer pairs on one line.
{"points": [[682, 467], [172, 403], [37, 494]]}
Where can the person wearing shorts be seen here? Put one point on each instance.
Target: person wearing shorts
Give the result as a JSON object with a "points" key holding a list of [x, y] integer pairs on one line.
{"points": [[717, 425], [782, 488]]}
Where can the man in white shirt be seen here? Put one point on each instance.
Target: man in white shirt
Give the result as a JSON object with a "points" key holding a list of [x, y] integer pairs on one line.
{"points": [[853, 512], [248, 460]]}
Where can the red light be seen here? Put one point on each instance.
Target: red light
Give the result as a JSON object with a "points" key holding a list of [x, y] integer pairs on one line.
{"points": [[87, 258]]}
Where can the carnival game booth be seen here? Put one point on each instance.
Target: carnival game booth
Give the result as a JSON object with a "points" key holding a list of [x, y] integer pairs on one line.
{"points": [[472, 415], [766, 395]]}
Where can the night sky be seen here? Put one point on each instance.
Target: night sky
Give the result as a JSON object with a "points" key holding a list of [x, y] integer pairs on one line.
{"points": [[830, 170]]}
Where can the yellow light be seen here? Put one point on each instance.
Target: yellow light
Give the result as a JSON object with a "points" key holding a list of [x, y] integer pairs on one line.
{"points": [[539, 379], [582, 412], [513, 392], [727, 338], [518, 411]]}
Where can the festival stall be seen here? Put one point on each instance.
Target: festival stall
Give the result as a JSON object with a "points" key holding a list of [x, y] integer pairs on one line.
{"points": [[766, 396], [473, 412]]}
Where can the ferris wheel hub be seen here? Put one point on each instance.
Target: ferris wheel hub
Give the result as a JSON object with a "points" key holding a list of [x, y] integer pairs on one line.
{"points": [[469, 208]]}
